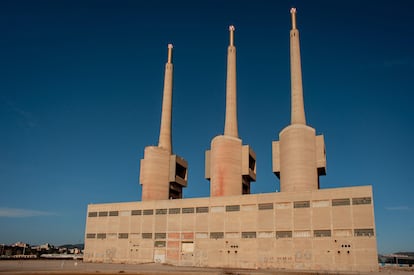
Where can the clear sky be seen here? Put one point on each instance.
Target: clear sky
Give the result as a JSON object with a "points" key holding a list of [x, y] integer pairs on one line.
{"points": [[81, 92]]}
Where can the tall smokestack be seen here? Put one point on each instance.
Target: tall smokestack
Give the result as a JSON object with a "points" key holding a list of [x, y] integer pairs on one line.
{"points": [[230, 125], [299, 156], [165, 129], [230, 165], [163, 175], [298, 109]]}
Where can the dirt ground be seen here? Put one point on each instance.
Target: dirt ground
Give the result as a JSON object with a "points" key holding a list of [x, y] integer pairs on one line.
{"points": [[71, 267]]}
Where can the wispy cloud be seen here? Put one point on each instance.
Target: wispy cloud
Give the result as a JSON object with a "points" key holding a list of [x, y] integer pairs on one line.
{"points": [[397, 208], [27, 117], [22, 213]]}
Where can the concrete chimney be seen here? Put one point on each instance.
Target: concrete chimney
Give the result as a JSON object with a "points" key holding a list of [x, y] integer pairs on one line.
{"points": [[299, 156]]}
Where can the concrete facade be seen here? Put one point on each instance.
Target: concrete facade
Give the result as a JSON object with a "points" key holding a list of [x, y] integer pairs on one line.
{"points": [[300, 228], [331, 229]]}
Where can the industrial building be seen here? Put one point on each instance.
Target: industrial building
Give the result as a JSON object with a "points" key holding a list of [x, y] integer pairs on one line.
{"points": [[302, 227]]}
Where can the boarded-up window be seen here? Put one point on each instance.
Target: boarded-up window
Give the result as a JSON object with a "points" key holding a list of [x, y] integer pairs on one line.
{"points": [[202, 209], [136, 212], [148, 212], [113, 213], [322, 233], [265, 206], [162, 211], [232, 235], [302, 234], [248, 235], [321, 203], [92, 214], [217, 209], [364, 232], [188, 210], [111, 236], [174, 211], [340, 202], [283, 205], [301, 204], [283, 234], [187, 247], [124, 213], [364, 200], [343, 233], [248, 207], [216, 235], [123, 236], [232, 208], [265, 234], [90, 236], [147, 235], [103, 214], [201, 235]]}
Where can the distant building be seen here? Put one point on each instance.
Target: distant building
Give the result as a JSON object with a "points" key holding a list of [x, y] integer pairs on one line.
{"points": [[301, 227]]}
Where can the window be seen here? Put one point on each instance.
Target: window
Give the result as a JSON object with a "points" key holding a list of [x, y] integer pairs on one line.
{"points": [[103, 214], [364, 232], [92, 214], [188, 210], [340, 202], [148, 212], [301, 204], [216, 235], [160, 235], [265, 206], [364, 200], [123, 236], [174, 211], [113, 213], [322, 233], [283, 234], [90, 236], [162, 211], [232, 208], [248, 235], [101, 236], [202, 209], [147, 235], [136, 212], [159, 244]]}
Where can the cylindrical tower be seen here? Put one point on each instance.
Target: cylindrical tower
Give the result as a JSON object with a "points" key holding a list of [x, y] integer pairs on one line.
{"points": [[299, 156], [162, 174], [227, 163]]}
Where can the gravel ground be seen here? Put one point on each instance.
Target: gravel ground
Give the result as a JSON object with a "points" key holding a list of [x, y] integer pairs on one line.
{"points": [[72, 267]]}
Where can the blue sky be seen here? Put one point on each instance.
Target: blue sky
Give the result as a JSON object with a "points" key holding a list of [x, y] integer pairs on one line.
{"points": [[81, 91]]}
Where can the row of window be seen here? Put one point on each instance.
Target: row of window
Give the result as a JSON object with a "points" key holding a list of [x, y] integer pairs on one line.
{"points": [[233, 208], [368, 232]]}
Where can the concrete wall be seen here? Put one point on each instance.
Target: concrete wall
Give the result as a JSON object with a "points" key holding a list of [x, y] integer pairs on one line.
{"points": [[331, 229]]}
